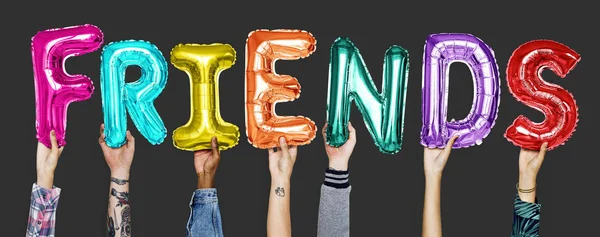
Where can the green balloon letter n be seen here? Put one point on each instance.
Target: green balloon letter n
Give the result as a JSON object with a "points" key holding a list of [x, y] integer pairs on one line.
{"points": [[349, 80]]}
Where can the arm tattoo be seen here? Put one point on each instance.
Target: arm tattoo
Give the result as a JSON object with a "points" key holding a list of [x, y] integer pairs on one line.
{"points": [[122, 197], [118, 181], [113, 224], [125, 222], [111, 227], [280, 191]]}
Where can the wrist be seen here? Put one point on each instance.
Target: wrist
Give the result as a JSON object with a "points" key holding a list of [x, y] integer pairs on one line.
{"points": [[45, 181], [205, 181], [433, 176], [527, 180], [120, 174], [338, 164], [280, 182]]}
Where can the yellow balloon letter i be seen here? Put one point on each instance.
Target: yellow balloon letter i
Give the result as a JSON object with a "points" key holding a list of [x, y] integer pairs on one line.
{"points": [[204, 63]]}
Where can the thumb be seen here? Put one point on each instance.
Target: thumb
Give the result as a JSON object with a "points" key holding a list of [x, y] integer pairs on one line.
{"points": [[283, 145], [449, 145], [215, 146], [352, 132], [53, 141], [324, 132], [130, 138], [542, 154]]}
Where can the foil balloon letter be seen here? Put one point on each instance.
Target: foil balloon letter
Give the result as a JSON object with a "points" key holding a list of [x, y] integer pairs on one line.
{"points": [[204, 63], [265, 88], [523, 74], [441, 50], [55, 89], [349, 80], [136, 98]]}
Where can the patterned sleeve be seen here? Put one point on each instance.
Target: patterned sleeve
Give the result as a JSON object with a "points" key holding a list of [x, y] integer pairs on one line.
{"points": [[526, 219], [42, 211]]}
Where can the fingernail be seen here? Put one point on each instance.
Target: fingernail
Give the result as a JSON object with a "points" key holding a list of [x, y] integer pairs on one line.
{"points": [[282, 140]]}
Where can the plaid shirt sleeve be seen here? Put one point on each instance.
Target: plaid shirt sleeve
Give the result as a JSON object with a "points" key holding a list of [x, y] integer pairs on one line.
{"points": [[526, 218], [42, 211]]}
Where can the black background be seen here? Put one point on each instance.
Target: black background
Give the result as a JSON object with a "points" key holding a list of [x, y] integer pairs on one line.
{"points": [[387, 196]]}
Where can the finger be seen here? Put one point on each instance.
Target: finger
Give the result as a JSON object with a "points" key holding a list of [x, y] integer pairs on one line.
{"points": [[271, 151], [53, 141], [293, 153], [283, 145], [543, 151], [130, 139], [101, 138], [352, 131], [449, 145], [324, 132], [214, 144]]}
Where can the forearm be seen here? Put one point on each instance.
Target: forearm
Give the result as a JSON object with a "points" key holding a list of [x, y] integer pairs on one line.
{"points": [[119, 215], [206, 180], [432, 222], [45, 179], [278, 218], [527, 182]]}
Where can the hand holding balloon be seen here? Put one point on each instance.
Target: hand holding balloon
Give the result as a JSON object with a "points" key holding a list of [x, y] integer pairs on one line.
{"points": [[46, 162], [340, 156]]}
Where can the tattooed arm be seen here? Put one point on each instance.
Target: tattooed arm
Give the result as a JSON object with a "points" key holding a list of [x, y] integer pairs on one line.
{"points": [[119, 161], [281, 164]]}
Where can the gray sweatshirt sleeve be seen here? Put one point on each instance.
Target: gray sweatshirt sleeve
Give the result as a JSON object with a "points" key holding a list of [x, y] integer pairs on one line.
{"points": [[334, 206]]}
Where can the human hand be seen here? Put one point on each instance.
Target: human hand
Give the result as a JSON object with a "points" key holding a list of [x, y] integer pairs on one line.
{"points": [[530, 162], [46, 161], [281, 162], [118, 159], [206, 163], [434, 159], [339, 156]]}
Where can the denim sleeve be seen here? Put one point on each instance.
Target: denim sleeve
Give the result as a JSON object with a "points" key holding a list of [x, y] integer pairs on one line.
{"points": [[526, 219], [205, 216]]}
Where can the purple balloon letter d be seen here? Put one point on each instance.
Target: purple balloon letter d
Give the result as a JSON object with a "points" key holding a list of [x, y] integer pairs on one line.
{"points": [[441, 50]]}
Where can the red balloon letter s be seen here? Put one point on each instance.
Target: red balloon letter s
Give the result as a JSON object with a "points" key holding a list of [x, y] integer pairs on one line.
{"points": [[525, 83], [55, 89]]}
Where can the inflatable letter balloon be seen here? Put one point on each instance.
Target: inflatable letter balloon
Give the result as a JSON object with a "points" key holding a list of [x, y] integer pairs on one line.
{"points": [[349, 80], [525, 83], [204, 63], [55, 89], [441, 50], [265, 88], [137, 97]]}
